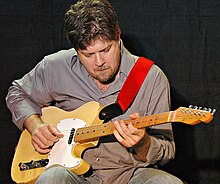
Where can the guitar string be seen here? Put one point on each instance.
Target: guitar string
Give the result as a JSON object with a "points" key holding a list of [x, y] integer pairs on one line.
{"points": [[142, 120]]}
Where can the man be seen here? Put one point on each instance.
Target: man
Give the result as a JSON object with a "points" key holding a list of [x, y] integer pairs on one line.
{"points": [[95, 69]]}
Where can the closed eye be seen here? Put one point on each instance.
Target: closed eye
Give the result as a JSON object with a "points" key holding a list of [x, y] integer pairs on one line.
{"points": [[88, 54], [106, 49]]}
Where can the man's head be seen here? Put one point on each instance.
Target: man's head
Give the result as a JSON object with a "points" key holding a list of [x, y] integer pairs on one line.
{"points": [[93, 30], [88, 20]]}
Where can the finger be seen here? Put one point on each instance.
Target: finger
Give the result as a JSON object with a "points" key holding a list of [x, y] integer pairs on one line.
{"points": [[134, 115], [41, 141], [43, 137], [122, 134], [54, 131], [136, 133], [40, 150], [121, 139], [118, 136], [122, 129], [132, 129], [50, 132]]}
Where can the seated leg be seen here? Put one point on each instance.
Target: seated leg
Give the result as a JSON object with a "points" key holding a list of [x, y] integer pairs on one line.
{"points": [[153, 176], [60, 175]]}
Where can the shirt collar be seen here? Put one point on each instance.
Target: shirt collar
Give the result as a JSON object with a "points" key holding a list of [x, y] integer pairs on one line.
{"points": [[127, 60]]}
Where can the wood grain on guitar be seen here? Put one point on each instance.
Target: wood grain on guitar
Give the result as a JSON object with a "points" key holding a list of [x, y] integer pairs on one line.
{"points": [[82, 129]]}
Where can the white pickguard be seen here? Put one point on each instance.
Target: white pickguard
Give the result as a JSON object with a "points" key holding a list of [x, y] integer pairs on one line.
{"points": [[61, 153]]}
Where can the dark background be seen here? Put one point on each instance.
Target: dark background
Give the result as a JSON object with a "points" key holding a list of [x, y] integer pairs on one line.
{"points": [[181, 36]]}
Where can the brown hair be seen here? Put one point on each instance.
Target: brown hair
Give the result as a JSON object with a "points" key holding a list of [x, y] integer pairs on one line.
{"points": [[90, 19]]}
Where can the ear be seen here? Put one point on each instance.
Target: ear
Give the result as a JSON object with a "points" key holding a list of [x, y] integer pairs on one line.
{"points": [[119, 38]]}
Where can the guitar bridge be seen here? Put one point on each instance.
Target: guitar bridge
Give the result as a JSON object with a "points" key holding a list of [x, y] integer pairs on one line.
{"points": [[33, 164]]}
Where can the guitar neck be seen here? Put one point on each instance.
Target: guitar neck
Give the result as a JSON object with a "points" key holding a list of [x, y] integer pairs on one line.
{"points": [[94, 132]]}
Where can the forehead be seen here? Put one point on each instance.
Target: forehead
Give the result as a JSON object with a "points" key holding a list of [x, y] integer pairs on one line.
{"points": [[97, 45]]}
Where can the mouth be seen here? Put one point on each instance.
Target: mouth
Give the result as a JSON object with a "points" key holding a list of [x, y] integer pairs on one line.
{"points": [[102, 69]]}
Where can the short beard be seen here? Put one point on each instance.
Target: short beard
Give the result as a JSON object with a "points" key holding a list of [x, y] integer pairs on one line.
{"points": [[108, 80]]}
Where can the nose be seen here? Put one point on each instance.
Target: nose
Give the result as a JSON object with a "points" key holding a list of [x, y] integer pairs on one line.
{"points": [[99, 61]]}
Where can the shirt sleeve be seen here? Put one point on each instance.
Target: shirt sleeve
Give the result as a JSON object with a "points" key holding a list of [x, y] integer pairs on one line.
{"points": [[29, 94]]}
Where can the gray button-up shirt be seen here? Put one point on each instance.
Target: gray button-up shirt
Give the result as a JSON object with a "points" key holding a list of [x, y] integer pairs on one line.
{"points": [[61, 78]]}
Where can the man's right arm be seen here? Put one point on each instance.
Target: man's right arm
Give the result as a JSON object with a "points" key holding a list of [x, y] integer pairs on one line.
{"points": [[25, 99], [29, 94]]}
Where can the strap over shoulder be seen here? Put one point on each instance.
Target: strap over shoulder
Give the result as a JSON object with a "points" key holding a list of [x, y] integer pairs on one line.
{"points": [[129, 89]]}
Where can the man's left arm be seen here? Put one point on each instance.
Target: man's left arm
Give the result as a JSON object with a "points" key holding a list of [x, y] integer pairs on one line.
{"points": [[157, 145]]}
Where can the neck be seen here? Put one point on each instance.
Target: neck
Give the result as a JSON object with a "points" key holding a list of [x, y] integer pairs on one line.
{"points": [[102, 87]]}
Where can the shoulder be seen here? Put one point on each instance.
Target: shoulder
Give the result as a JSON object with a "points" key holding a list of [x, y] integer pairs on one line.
{"points": [[156, 71], [62, 59], [156, 78], [62, 55]]}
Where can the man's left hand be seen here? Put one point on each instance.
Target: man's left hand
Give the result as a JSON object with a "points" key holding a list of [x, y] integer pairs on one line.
{"points": [[128, 135]]}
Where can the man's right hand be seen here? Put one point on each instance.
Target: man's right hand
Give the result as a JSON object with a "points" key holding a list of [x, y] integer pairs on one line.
{"points": [[43, 135]]}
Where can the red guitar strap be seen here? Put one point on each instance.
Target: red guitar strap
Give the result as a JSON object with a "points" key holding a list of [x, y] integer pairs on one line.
{"points": [[133, 82], [129, 89]]}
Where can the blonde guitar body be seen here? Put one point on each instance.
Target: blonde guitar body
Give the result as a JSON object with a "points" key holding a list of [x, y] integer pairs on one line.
{"points": [[63, 154], [82, 129]]}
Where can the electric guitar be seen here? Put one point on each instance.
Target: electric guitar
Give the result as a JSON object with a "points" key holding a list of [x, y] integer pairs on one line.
{"points": [[82, 129]]}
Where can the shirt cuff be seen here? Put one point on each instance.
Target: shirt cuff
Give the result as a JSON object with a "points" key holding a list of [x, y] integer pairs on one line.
{"points": [[155, 152]]}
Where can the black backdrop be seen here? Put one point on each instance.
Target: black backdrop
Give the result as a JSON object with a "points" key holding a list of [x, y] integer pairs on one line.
{"points": [[181, 36]]}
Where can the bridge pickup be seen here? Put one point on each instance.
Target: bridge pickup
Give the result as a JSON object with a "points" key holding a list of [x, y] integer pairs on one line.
{"points": [[33, 164]]}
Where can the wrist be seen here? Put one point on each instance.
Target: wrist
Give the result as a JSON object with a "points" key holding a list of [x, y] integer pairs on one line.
{"points": [[141, 149], [143, 142], [32, 123]]}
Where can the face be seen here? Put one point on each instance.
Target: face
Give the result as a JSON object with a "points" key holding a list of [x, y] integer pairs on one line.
{"points": [[101, 59]]}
